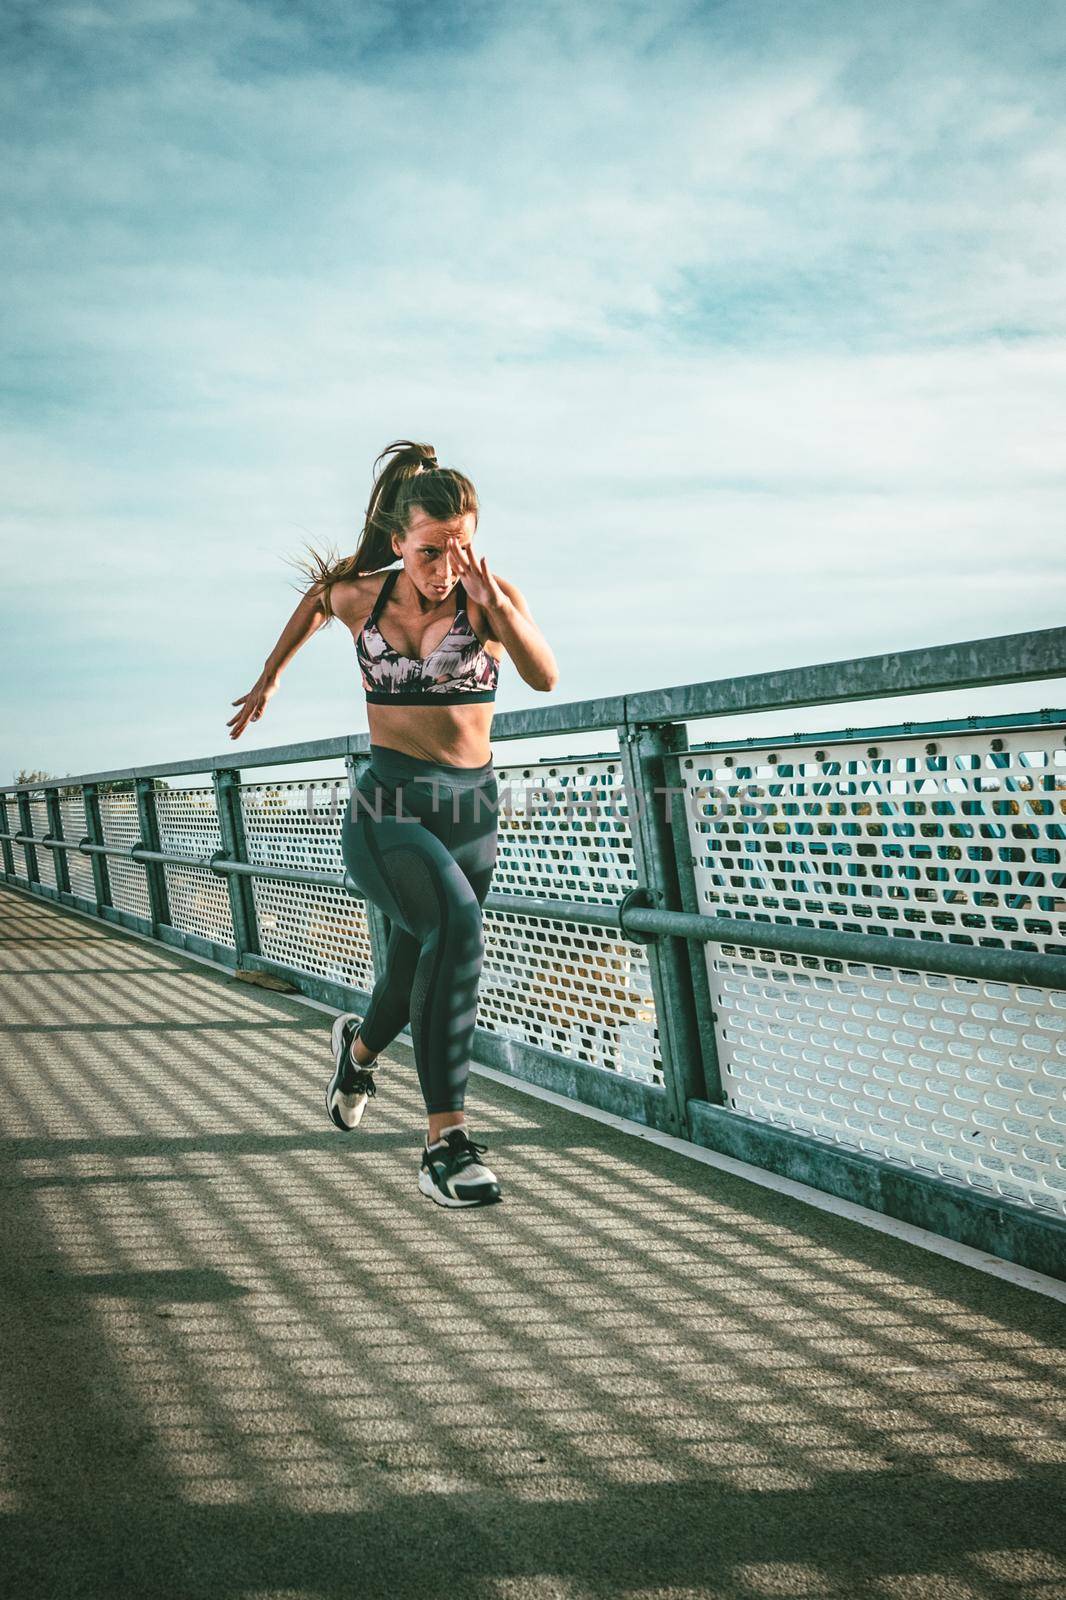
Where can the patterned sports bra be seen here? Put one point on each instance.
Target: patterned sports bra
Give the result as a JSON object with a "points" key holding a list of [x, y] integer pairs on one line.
{"points": [[458, 671]]}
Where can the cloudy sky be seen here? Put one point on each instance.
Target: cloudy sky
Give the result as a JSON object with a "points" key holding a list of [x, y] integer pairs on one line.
{"points": [[745, 317]]}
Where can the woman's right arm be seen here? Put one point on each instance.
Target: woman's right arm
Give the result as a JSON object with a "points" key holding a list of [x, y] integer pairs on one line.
{"points": [[308, 617]]}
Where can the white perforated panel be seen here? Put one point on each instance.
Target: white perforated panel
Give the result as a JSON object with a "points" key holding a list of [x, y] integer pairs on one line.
{"points": [[120, 821], [569, 987], [198, 898], [18, 851], [46, 861], [966, 843], [72, 811], [323, 931], [961, 1078]]}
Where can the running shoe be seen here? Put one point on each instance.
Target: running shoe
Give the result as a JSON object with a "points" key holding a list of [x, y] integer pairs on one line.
{"points": [[452, 1175], [351, 1085]]}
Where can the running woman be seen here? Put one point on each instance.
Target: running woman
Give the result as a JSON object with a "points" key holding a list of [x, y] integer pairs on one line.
{"points": [[419, 836]]}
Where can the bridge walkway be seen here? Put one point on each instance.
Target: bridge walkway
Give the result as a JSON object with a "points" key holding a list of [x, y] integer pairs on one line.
{"points": [[243, 1356]]}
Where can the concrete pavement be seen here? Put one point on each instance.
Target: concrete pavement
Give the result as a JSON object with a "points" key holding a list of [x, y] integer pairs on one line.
{"points": [[241, 1355]]}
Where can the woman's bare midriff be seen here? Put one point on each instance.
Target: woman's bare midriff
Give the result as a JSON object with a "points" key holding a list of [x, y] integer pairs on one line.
{"points": [[453, 736]]}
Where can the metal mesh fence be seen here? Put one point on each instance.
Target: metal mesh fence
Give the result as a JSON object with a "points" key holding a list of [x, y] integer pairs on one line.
{"points": [[120, 822], [318, 930], [958, 839], [72, 814], [198, 898], [569, 987], [960, 843], [46, 865]]}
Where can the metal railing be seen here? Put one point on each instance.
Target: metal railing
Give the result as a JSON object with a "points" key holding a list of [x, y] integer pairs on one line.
{"points": [[841, 956]]}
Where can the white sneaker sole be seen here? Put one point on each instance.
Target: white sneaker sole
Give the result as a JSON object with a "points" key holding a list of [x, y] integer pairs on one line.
{"points": [[429, 1188]]}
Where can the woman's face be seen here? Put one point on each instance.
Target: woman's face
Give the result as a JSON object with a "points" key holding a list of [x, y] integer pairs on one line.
{"points": [[425, 552]]}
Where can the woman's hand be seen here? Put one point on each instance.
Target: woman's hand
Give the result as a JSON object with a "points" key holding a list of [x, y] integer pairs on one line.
{"points": [[252, 704], [478, 581]]}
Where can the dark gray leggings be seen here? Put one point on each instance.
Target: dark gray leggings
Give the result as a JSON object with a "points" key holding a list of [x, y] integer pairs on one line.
{"points": [[419, 840]]}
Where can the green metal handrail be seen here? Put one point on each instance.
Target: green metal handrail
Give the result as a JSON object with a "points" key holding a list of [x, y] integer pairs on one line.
{"points": [[1006, 658]]}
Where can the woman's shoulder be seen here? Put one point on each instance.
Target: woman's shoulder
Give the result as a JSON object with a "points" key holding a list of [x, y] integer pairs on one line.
{"points": [[352, 597]]}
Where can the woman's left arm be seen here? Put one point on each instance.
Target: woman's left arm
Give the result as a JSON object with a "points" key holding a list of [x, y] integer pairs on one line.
{"points": [[510, 617]]}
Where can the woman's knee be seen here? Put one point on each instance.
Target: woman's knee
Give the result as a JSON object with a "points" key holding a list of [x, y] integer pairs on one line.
{"points": [[466, 927]]}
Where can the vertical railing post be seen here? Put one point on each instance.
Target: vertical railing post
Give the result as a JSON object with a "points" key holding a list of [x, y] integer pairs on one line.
{"points": [[155, 872], [378, 924], [643, 747], [94, 831], [55, 829], [678, 789], [5, 826], [26, 826], [227, 781]]}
